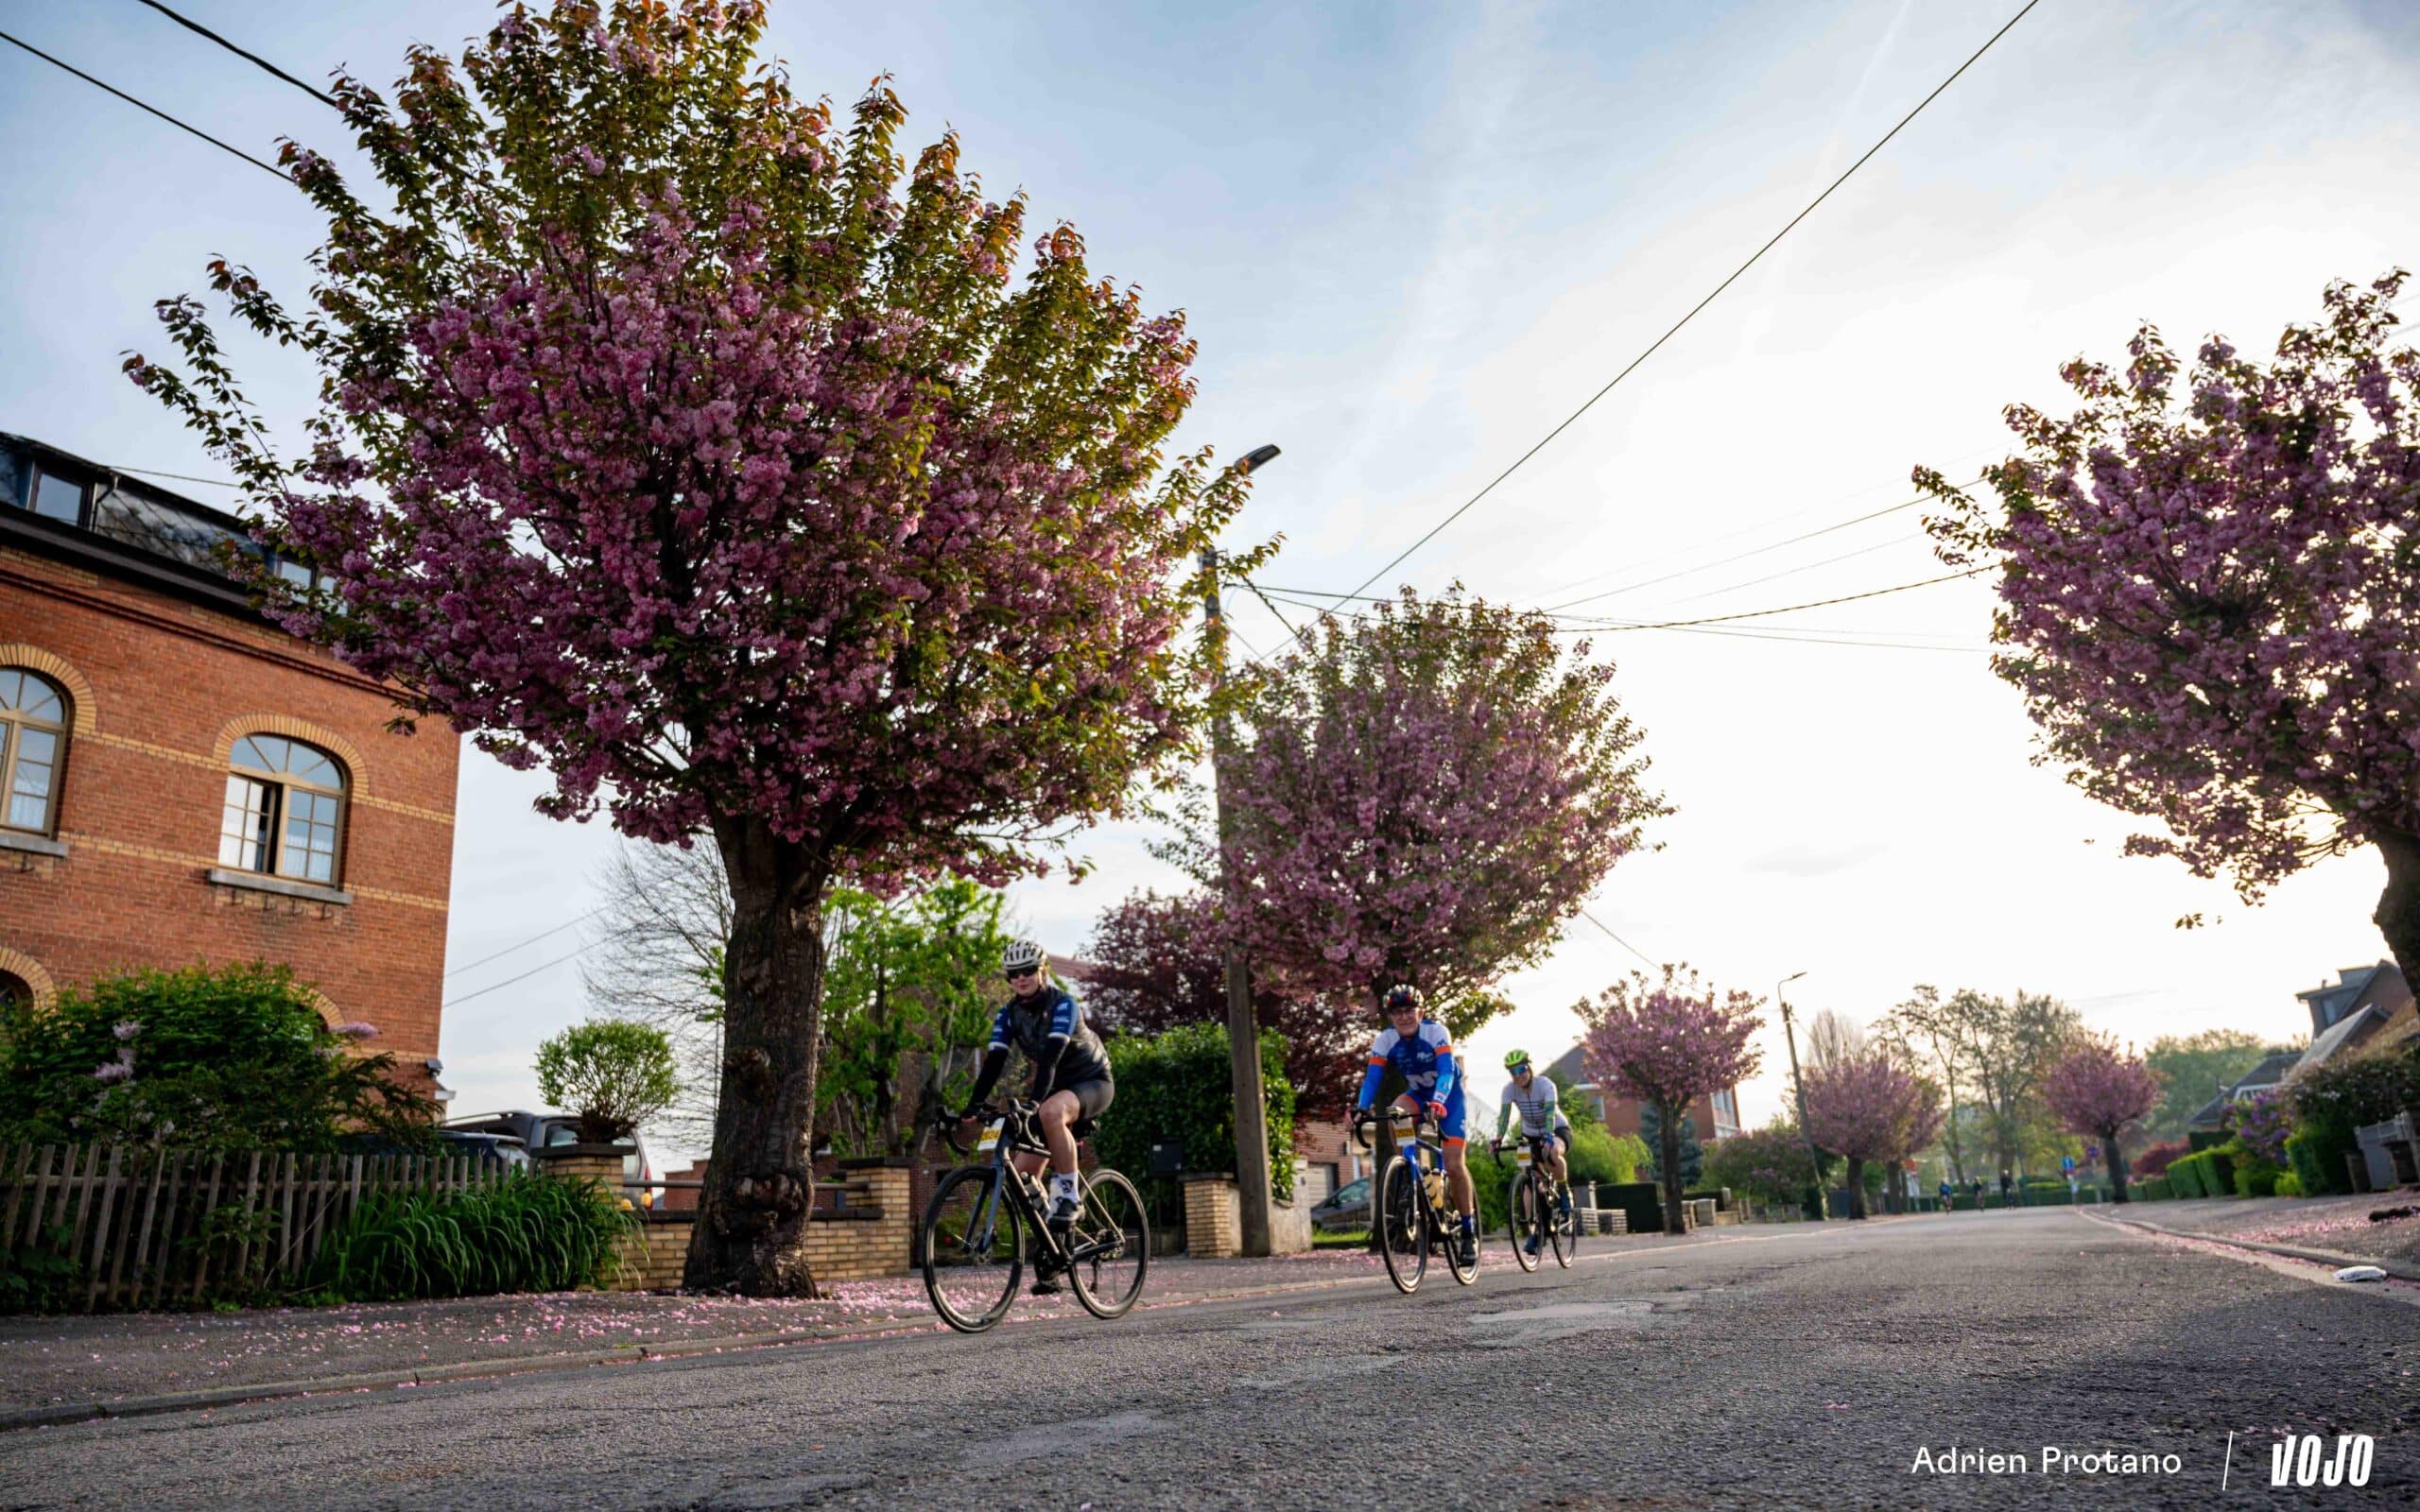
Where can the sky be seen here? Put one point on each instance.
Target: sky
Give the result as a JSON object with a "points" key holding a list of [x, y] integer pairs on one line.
{"points": [[1414, 238]]}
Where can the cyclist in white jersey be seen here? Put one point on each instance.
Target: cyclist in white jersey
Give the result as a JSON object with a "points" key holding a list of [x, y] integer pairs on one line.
{"points": [[1537, 1098]]}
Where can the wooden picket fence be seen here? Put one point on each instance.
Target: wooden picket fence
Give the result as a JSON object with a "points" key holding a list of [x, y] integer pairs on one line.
{"points": [[152, 1228]]}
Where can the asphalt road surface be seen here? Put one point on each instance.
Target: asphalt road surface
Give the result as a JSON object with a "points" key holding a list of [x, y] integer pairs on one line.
{"points": [[1790, 1366]]}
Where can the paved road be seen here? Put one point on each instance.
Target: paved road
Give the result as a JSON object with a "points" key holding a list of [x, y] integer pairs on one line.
{"points": [[1791, 1367]]}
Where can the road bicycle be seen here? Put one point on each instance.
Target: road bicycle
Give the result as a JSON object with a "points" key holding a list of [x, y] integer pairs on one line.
{"points": [[1413, 1214], [973, 1243], [1536, 1202]]}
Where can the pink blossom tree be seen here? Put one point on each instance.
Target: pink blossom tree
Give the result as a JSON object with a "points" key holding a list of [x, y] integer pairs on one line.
{"points": [[1667, 1041], [2211, 598], [1423, 794], [1867, 1108], [2097, 1090], [693, 448]]}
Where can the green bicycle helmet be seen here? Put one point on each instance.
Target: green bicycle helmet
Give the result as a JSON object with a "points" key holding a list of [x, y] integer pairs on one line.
{"points": [[1515, 1060]]}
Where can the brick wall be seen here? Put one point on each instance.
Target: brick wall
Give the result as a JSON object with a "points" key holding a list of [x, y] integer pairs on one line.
{"points": [[161, 689], [1213, 1218]]}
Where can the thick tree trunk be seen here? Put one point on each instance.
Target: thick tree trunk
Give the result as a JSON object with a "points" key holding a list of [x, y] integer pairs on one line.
{"points": [[2399, 912], [2116, 1164], [760, 1184], [1667, 1138], [1856, 1186]]}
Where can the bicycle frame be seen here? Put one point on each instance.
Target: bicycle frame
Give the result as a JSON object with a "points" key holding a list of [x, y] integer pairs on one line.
{"points": [[1016, 1137]]}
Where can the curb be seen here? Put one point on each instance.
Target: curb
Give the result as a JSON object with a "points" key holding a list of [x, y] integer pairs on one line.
{"points": [[62, 1413], [2400, 1270]]}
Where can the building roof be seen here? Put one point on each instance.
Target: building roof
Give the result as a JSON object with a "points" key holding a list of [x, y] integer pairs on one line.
{"points": [[2344, 1031], [2270, 1071], [1570, 1067]]}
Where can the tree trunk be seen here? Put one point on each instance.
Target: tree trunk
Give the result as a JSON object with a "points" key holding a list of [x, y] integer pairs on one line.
{"points": [[2116, 1164], [752, 1215], [1667, 1139], [2398, 913], [1856, 1186]]}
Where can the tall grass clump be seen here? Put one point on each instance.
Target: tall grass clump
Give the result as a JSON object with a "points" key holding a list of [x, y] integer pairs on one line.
{"points": [[524, 1234]]}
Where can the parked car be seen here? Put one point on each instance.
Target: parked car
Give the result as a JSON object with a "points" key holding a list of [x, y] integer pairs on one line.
{"points": [[500, 1150], [1347, 1207], [544, 1131]]}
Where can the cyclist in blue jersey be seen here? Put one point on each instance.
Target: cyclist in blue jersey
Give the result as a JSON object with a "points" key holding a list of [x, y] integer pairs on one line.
{"points": [[1071, 1078], [1422, 1051]]}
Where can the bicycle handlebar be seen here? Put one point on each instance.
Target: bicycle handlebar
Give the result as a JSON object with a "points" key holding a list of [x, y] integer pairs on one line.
{"points": [[945, 1120]]}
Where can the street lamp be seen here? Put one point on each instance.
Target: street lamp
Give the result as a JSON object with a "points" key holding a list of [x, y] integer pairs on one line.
{"points": [[1814, 1161], [1243, 1032]]}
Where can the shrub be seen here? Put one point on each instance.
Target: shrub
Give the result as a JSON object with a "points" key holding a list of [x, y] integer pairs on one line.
{"points": [[2255, 1178], [1596, 1155], [2316, 1157], [1177, 1085], [2156, 1160], [2261, 1123], [223, 1057], [2289, 1184], [525, 1233], [612, 1074], [2152, 1189]]}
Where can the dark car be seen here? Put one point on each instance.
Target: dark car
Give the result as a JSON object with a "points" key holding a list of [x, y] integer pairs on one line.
{"points": [[487, 1148], [1347, 1207], [544, 1131]]}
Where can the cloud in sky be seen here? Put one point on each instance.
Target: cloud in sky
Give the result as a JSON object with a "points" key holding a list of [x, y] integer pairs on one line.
{"points": [[1411, 240]]}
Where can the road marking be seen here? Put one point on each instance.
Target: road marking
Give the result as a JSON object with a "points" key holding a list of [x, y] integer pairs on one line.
{"points": [[2229, 1467]]}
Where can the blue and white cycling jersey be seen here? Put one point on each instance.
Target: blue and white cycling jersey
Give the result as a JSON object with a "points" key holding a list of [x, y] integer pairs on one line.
{"points": [[1426, 1061]]}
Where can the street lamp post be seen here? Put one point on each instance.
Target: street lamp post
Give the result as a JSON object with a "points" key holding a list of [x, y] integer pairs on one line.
{"points": [[1243, 1030], [1814, 1161]]}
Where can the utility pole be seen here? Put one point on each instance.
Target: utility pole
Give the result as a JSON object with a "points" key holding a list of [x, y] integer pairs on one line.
{"points": [[1814, 1161], [1243, 1029]]}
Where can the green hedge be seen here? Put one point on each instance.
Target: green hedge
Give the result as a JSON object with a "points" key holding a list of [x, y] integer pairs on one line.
{"points": [[526, 1234], [2290, 1185], [1179, 1085], [2255, 1178], [2206, 1173], [2149, 1189], [2317, 1155]]}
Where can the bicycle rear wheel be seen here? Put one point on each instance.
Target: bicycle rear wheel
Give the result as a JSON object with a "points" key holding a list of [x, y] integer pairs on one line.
{"points": [[1526, 1231], [1403, 1226], [974, 1249], [1110, 1244], [1563, 1229]]}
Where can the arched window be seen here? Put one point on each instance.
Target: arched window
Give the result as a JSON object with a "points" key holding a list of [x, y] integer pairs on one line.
{"points": [[33, 741], [285, 812]]}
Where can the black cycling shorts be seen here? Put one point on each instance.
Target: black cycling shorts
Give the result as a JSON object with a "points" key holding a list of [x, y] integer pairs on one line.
{"points": [[1092, 1097]]}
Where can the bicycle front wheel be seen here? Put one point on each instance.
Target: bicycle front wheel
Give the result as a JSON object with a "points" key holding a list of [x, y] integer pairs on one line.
{"points": [[1403, 1226], [1563, 1229], [1109, 1246], [1528, 1232], [974, 1249]]}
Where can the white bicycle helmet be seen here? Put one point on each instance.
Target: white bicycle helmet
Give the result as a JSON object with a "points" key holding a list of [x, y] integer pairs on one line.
{"points": [[1021, 955]]}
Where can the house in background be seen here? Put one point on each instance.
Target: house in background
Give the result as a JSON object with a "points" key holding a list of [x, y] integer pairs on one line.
{"points": [[2266, 1076], [1714, 1116], [181, 781], [2366, 1005]]}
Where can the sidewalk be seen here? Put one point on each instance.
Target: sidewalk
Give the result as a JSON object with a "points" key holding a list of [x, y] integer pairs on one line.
{"points": [[2336, 1229], [65, 1368]]}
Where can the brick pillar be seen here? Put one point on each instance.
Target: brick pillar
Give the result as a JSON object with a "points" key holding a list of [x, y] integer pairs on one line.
{"points": [[601, 1164], [1213, 1222]]}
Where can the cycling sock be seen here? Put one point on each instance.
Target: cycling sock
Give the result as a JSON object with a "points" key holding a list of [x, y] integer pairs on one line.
{"points": [[1062, 1186], [1470, 1224]]}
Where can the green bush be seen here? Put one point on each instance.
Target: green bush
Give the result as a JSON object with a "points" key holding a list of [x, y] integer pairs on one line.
{"points": [[225, 1058], [2317, 1155], [2255, 1177], [611, 1074], [1596, 1155], [2194, 1176], [1177, 1085], [2289, 1184], [2149, 1189], [525, 1233]]}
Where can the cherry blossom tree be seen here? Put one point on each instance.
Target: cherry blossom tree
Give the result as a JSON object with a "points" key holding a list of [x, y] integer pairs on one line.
{"points": [[1422, 794], [2211, 598], [1667, 1041], [686, 443], [1866, 1107], [2097, 1090]]}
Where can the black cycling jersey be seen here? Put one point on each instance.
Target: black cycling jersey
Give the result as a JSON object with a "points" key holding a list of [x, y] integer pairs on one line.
{"points": [[1050, 1028]]}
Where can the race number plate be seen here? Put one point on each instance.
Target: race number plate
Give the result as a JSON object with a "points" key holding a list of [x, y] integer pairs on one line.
{"points": [[991, 1140], [1522, 1156]]}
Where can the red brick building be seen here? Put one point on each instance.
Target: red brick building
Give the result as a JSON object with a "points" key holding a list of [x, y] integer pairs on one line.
{"points": [[182, 782], [1713, 1116]]}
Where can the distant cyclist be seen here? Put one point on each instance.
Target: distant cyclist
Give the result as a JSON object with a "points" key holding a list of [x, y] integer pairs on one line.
{"points": [[1536, 1098], [1422, 1050], [1071, 1077]]}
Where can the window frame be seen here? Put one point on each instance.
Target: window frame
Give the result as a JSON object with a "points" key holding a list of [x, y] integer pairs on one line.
{"points": [[12, 743], [278, 786]]}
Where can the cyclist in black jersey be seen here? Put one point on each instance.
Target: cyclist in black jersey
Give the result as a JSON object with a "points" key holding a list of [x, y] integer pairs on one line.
{"points": [[1071, 1076]]}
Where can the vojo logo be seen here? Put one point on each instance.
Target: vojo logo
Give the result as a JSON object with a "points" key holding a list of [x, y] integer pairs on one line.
{"points": [[2304, 1459]]}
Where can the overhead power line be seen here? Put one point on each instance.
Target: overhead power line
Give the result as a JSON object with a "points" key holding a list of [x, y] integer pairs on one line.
{"points": [[153, 109], [1803, 635], [499, 986], [1617, 939], [1787, 608], [252, 57], [1675, 328], [524, 944], [181, 477]]}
